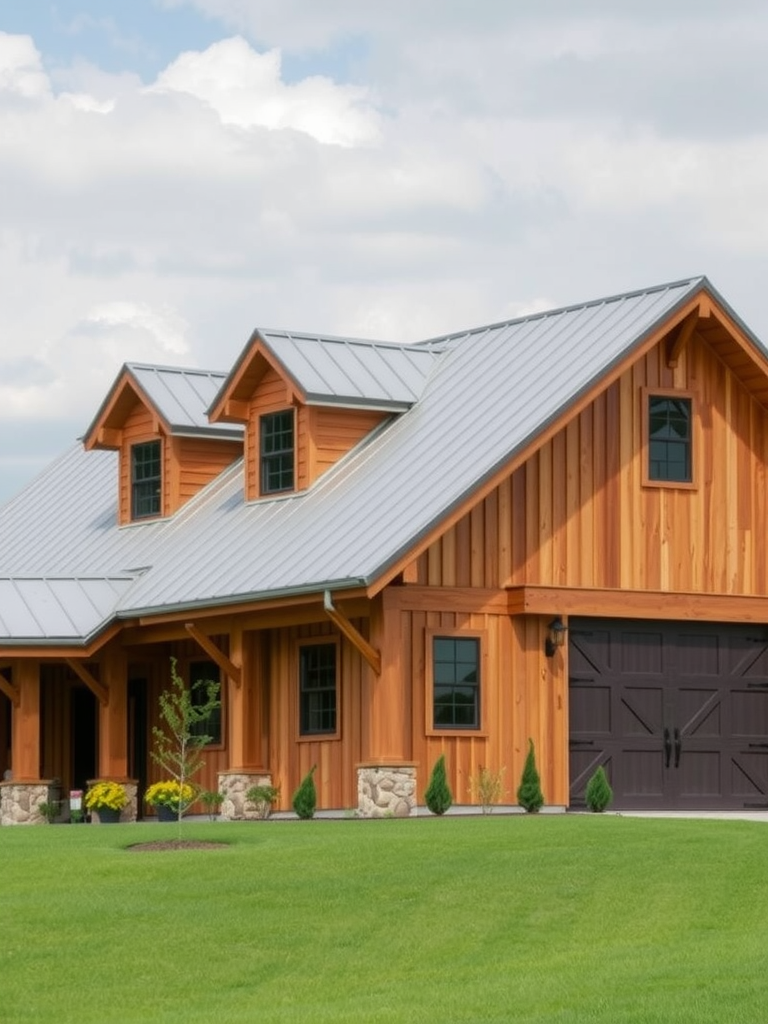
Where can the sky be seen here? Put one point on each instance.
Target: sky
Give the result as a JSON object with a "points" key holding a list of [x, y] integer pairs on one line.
{"points": [[176, 173]]}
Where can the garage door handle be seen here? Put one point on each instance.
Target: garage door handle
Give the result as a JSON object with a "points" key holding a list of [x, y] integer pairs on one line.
{"points": [[667, 748], [678, 747]]}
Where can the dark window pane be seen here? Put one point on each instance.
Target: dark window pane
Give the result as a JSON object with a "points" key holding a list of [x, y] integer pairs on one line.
{"points": [[317, 689], [277, 452], [200, 674], [669, 440], [456, 683], [145, 480]]}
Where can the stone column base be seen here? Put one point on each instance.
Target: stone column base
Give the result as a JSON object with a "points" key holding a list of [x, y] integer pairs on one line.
{"points": [[386, 791], [234, 785], [20, 801]]}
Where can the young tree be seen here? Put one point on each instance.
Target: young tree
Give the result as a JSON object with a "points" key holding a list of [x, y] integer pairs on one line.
{"points": [[305, 797], [598, 794], [529, 794], [438, 797], [177, 746]]}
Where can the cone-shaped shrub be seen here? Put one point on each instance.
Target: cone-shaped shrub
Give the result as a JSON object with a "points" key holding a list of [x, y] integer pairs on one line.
{"points": [[598, 793], [438, 795], [305, 797], [529, 794]]}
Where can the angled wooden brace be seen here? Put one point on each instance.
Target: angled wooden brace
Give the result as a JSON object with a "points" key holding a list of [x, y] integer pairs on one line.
{"points": [[215, 653], [93, 684], [355, 637]]}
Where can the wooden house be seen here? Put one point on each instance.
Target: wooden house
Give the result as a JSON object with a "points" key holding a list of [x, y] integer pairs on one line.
{"points": [[550, 529]]}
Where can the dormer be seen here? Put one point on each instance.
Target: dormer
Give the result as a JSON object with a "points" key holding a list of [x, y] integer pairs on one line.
{"points": [[306, 401], [155, 417]]}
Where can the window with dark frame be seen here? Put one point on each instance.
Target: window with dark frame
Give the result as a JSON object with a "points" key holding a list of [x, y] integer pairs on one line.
{"points": [[669, 439], [200, 674], [276, 452], [317, 689], [146, 479], [456, 682]]}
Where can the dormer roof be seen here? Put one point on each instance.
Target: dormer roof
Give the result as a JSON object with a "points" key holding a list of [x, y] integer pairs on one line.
{"points": [[178, 398], [328, 370]]}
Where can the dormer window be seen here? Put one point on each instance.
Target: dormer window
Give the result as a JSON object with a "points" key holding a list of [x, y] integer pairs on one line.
{"points": [[146, 481], [277, 452]]}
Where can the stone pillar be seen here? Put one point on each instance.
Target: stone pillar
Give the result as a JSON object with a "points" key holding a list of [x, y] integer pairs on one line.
{"points": [[234, 785], [20, 801], [386, 791]]}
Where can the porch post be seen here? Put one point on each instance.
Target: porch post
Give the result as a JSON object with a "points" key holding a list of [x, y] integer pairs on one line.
{"points": [[25, 727], [245, 725], [386, 778], [113, 717]]}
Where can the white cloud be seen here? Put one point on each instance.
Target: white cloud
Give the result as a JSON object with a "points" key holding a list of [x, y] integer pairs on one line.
{"points": [[453, 164], [245, 89], [21, 69]]}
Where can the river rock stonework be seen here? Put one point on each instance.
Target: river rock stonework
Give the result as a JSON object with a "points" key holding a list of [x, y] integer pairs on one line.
{"points": [[20, 801], [234, 786], [385, 791]]}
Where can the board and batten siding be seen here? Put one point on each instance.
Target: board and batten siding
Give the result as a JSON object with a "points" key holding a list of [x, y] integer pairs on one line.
{"points": [[577, 513]]}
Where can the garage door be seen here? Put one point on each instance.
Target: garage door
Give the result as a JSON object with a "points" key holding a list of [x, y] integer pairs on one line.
{"points": [[676, 713]]}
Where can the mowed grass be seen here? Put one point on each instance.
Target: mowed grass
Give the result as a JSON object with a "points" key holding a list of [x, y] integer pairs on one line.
{"points": [[501, 918]]}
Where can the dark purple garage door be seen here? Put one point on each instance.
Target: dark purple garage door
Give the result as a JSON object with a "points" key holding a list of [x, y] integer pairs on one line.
{"points": [[677, 713]]}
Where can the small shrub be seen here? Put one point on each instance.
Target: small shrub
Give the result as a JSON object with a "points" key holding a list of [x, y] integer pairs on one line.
{"points": [[305, 797], [529, 795], [49, 810], [438, 796], [487, 787], [263, 797], [598, 793], [212, 800]]}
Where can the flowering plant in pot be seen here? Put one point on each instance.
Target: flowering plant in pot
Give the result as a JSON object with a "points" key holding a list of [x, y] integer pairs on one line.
{"points": [[107, 798], [169, 797]]}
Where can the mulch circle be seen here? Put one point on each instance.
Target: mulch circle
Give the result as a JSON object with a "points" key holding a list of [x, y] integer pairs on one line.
{"points": [[175, 844]]}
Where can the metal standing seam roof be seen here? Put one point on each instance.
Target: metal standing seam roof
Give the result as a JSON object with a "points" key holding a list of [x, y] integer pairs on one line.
{"points": [[180, 396], [351, 371], [60, 610], [488, 395]]}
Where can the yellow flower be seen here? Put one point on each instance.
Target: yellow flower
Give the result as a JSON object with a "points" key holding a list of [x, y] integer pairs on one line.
{"points": [[169, 793], [106, 794]]}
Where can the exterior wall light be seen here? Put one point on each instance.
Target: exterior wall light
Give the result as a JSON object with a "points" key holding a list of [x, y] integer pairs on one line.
{"points": [[556, 637]]}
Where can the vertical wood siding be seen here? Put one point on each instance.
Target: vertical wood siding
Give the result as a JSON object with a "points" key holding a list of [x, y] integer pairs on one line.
{"points": [[577, 513]]}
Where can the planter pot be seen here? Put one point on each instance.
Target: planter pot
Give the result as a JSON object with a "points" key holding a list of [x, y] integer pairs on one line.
{"points": [[108, 816], [165, 813]]}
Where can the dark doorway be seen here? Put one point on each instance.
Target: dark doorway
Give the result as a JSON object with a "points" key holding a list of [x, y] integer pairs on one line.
{"points": [[84, 733], [676, 713]]}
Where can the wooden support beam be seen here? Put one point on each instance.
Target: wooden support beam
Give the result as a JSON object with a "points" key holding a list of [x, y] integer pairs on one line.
{"points": [[236, 410], [355, 637], [215, 653], [680, 338], [636, 604], [108, 437], [82, 673], [9, 690]]}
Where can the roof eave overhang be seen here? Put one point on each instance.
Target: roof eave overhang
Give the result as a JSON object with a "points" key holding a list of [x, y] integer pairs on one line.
{"points": [[351, 587]]}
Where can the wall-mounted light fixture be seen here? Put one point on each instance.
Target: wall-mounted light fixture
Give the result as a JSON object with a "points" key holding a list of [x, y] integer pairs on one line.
{"points": [[556, 636]]}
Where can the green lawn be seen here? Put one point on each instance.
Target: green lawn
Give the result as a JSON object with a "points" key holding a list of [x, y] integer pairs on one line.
{"points": [[543, 918]]}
